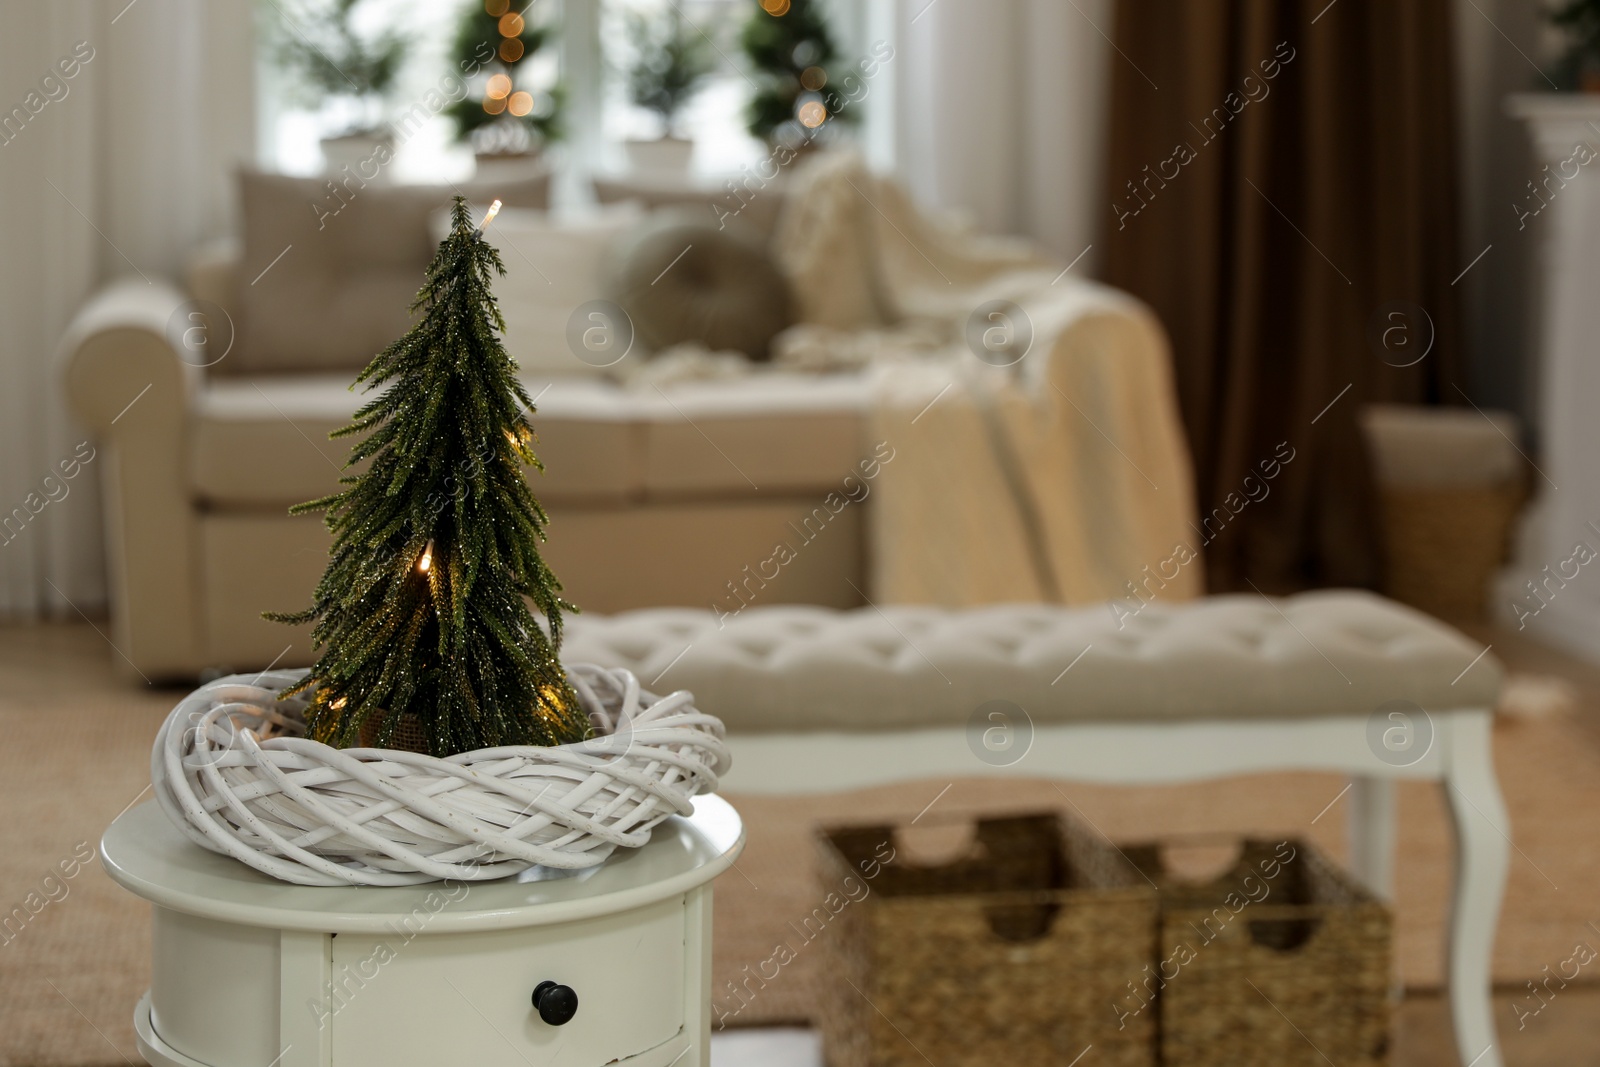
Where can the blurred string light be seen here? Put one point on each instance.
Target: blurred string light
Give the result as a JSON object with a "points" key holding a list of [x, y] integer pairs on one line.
{"points": [[498, 97], [510, 109], [792, 47]]}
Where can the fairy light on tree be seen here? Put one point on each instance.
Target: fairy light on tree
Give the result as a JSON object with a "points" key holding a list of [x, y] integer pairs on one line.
{"points": [[791, 48], [508, 110], [422, 622]]}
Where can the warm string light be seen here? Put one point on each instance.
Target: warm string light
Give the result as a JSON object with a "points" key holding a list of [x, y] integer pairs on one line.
{"points": [[498, 98], [426, 562], [494, 209]]}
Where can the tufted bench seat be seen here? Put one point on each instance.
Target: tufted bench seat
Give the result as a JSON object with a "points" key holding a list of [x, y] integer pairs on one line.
{"points": [[1243, 657], [819, 700]]}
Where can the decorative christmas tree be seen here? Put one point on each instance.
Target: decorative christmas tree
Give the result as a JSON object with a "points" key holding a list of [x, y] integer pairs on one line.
{"points": [[425, 636], [791, 47], [506, 111]]}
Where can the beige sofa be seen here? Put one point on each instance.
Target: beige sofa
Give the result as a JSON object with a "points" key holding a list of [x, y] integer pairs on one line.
{"points": [[656, 496], [677, 490]]}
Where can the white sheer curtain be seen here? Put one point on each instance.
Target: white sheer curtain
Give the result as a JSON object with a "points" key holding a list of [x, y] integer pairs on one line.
{"points": [[119, 168], [1000, 112]]}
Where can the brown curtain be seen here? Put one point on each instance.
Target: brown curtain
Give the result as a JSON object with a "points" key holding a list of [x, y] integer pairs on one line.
{"points": [[1282, 185]]}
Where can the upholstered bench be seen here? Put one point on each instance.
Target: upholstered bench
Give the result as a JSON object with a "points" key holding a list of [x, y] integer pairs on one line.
{"points": [[818, 700]]}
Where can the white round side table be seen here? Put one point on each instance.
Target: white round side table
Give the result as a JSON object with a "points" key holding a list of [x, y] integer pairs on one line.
{"points": [[611, 965]]}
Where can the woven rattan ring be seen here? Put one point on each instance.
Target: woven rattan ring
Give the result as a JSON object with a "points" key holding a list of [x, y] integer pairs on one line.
{"points": [[233, 769]]}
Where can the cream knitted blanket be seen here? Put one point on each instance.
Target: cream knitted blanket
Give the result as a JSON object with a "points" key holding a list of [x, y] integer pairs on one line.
{"points": [[1061, 478]]}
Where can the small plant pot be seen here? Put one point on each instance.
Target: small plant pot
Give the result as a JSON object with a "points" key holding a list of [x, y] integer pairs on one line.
{"points": [[367, 155], [664, 155], [508, 166]]}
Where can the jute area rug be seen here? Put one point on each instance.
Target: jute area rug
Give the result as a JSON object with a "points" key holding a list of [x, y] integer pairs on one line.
{"points": [[76, 750]]}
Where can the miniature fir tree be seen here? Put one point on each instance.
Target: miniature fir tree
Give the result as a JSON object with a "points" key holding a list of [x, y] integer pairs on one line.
{"points": [[507, 109], [327, 57], [421, 620], [791, 48]]}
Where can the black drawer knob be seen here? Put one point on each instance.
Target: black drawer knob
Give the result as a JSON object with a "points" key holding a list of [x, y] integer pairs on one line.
{"points": [[557, 1003]]}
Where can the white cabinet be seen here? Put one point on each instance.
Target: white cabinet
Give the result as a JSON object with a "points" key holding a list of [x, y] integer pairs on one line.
{"points": [[249, 972], [627, 972]]}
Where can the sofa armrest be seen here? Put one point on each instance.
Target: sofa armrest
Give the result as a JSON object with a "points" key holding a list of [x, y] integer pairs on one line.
{"points": [[116, 345], [129, 385]]}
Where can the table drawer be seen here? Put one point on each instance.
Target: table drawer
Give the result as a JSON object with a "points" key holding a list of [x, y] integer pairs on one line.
{"points": [[467, 998]]}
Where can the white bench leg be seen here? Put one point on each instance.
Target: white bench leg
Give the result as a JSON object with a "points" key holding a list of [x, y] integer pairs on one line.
{"points": [[1483, 852], [1372, 829]]}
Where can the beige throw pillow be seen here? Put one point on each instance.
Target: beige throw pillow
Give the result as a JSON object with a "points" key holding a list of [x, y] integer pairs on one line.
{"points": [[749, 203], [681, 279], [553, 269], [327, 274]]}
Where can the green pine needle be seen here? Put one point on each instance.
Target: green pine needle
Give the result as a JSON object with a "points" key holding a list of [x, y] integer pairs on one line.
{"points": [[453, 650]]}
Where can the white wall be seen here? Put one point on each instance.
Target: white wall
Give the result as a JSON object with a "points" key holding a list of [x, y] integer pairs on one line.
{"points": [[122, 174], [49, 257], [1000, 113], [1498, 44]]}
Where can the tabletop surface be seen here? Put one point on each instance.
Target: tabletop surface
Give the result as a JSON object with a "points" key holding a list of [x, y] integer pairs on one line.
{"points": [[146, 854]]}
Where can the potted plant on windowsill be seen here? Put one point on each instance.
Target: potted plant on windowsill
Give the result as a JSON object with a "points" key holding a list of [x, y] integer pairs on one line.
{"points": [[329, 60], [792, 51], [509, 114], [671, 60]]}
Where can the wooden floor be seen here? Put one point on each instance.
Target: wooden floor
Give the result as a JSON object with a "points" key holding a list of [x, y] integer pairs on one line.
{"points": [[1567, 1029], [1565, 1032]]}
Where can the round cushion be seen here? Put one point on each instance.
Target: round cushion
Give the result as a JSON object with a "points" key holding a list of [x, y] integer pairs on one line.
{"points": [[681, 278]]}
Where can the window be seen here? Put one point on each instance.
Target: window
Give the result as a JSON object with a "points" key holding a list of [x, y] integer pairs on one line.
{"points": [[589, 55], [293, 122], [713, 118]]}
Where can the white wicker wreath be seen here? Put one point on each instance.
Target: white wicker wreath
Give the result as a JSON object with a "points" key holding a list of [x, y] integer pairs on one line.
{"points": [[233, 770]]}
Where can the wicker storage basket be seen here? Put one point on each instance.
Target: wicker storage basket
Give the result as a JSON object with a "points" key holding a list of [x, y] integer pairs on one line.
{"points": [[1280, 962], [1012, 955], [1443, 546]]}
